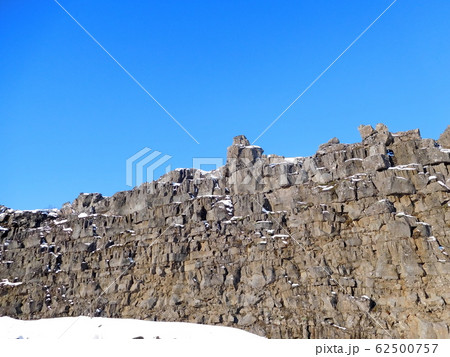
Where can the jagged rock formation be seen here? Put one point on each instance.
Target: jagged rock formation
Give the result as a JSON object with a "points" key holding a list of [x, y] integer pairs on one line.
{"points": [[351, 242]]}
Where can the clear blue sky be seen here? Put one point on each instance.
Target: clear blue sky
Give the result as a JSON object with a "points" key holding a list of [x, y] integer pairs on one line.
{"points": [[70, 117]]}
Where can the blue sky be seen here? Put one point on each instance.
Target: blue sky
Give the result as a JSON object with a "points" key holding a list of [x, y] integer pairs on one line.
{"points": [[70, 116]]}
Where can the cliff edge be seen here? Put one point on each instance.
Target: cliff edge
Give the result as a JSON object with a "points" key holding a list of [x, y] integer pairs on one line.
{"points": [[351, 242]]}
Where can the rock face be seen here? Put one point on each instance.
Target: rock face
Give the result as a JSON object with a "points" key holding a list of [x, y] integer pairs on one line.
{"points": [[444, 139], [351, 242]]}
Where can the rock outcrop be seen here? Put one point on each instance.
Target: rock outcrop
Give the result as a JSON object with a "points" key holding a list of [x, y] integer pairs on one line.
{"points": [[444, 139], [351, 242]]}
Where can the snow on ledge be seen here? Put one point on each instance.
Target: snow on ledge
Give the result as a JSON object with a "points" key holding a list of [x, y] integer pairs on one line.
{"points": [[83, 327], [60, 222], [6, 282]]}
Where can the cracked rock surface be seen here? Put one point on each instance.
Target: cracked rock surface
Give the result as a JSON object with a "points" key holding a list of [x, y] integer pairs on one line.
{"points": [[351, 242]]}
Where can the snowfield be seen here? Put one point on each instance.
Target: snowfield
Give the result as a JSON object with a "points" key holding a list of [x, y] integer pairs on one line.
{"points": [[79, 328]]}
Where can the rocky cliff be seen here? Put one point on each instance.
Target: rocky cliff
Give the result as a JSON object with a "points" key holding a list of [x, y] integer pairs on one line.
{"points": [[351, 242]]}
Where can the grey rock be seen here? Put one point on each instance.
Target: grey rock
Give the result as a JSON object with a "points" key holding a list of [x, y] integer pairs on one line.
{"points": [[281, 247], [376, 163], [365, 131], [444, 139]]}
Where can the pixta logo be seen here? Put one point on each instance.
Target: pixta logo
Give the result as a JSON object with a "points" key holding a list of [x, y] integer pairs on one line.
{"points": [[141, 166], [144, 159]]}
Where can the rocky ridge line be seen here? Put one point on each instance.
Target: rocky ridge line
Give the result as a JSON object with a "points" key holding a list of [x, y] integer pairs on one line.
{"points": [[351, 242]]}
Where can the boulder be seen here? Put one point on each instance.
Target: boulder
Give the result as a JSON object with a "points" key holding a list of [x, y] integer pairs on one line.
{"points": [[376, 163], [365, 131]]}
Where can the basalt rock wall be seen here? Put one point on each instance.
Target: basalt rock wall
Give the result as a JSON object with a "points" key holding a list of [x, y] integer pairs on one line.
{"points": [[349, 243]]}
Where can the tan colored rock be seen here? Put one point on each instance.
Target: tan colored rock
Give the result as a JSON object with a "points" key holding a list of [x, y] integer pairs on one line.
{"points": [[376, 163], [285, 248], [366, 131], [444, 139]]}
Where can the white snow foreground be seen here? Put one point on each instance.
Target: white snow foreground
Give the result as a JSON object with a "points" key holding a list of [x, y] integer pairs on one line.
{"points": [[77, 328]]}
